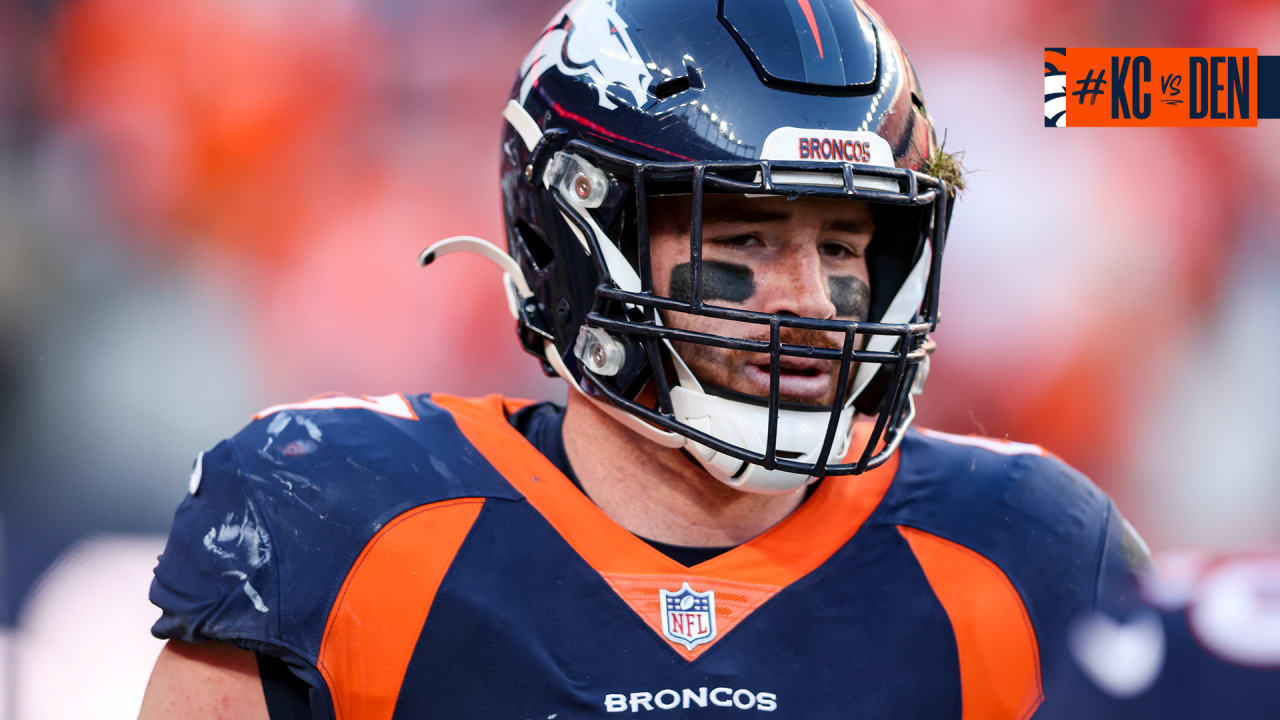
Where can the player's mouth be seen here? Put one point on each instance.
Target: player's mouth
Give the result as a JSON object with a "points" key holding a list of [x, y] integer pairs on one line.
{"points": [[799, 379]]}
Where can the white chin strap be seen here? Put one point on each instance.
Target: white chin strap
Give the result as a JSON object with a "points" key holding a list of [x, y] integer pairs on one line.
{"points": [[799, 438]]}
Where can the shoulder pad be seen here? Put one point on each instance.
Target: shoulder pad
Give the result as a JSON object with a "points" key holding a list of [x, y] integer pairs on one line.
{"points": [[279, 512], [971, 485], [1051, 531], [368, 454]]}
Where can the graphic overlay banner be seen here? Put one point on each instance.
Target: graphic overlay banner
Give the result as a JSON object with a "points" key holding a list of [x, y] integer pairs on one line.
{"points": [[1159, 87]]}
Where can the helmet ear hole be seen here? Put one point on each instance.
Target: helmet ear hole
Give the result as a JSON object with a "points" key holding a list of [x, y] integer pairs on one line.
{"points": [[535, 247]]}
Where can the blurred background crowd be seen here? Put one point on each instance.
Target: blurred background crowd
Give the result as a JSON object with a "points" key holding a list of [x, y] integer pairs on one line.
{"points": [[211, 206]]}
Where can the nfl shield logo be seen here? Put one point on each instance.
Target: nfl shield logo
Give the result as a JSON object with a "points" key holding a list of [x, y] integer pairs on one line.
{"points": [[688, 616]]}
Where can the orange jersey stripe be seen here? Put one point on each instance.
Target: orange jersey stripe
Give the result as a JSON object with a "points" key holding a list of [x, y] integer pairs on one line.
{"points": [[378, 616], [999, 654]]}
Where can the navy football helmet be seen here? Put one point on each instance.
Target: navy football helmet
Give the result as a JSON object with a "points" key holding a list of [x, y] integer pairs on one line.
{"points": [[622, 101]]}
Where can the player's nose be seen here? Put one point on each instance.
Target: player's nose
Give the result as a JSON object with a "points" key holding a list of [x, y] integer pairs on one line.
{"points": [[796, 284]]}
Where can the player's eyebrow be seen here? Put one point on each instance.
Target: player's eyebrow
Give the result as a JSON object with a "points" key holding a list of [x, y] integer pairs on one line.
{"points": [[853, 227], [748, 216], [760, 216]]}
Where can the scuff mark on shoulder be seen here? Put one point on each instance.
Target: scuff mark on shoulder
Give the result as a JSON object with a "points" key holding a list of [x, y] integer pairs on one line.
{"points": [[245, 540], [293, 481], [369, 472], [242, 547], [249, 591], [313, 430], [279, 423], [296, 487], [442, 468], [298, 446]]}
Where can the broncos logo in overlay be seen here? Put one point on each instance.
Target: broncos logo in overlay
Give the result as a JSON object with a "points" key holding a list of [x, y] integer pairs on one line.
{"points": [[1055, 87], [590, 38]]}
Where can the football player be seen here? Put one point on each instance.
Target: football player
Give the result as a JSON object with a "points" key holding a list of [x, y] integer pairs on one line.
{"points": [[725, 226], [1204, 644]]}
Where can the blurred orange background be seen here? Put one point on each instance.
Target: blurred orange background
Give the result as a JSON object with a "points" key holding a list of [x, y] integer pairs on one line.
{"points": [[212, 206]]}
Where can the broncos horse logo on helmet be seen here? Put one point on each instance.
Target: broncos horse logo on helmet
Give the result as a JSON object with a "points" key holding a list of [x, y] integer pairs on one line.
{"points": [[589, 38]]}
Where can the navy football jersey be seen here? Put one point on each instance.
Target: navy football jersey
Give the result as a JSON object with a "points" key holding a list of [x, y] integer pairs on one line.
{"points": [[418, 557], [1204, 645]]}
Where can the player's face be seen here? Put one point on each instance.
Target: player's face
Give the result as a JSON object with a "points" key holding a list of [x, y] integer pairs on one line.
{"points": [[803, 257]]}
